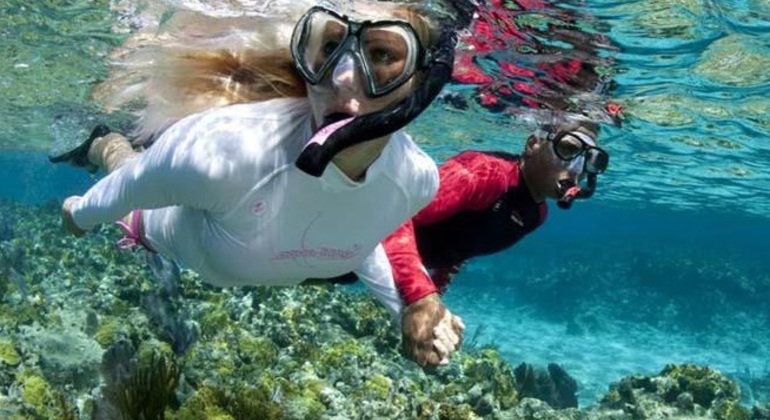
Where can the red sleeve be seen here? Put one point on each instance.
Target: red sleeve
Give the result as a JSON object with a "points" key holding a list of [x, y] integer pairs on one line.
{"points": [[469, 181], [409, 274]]}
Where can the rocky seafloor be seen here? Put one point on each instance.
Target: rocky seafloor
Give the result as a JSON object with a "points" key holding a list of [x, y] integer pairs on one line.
{"points": [[91, 332]]}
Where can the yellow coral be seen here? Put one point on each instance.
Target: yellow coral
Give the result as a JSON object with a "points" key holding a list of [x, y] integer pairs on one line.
{"points": [[215, 320], [257, 350], [204, 404], [36, 392], [378, 387], [8, 354], [108, 332], [731, 410]]}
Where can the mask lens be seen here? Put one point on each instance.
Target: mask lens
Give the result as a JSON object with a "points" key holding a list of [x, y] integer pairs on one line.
{"points": [[389, 52], [597, 161], [567, 147], [319, 43]]}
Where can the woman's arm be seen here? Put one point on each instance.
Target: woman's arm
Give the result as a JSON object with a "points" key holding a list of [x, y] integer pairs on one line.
{"points": [[183, 167], [376, 274]]}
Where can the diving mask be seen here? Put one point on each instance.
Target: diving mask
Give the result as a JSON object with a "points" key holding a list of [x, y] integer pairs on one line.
{"points": [[386, 52], [579, 152]]}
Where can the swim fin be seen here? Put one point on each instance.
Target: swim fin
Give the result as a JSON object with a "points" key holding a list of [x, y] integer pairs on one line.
{"points": [[78, 156]]}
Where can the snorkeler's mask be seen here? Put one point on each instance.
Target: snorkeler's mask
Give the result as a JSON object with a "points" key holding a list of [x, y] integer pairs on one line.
{"points": [[386, 52], [579, 155]]}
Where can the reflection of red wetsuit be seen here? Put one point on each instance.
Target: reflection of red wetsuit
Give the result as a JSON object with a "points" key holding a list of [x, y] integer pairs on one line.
{"points": [[495, 30], [482, 207]]}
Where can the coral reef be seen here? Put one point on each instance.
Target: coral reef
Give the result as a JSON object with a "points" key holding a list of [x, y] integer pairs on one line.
{"points": [[86, 343], [145, 387], [554, 386], [679, 390]]}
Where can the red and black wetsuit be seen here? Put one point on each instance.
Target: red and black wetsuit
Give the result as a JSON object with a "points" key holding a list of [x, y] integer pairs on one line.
{"points": [[482, 207]]}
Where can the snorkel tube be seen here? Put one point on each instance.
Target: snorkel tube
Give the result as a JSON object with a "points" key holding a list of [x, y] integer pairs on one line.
{"points": [[569, 191], [333, 138]]}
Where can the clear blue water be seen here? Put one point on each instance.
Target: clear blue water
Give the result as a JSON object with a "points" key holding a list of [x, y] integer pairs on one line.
{"points": [[668, 263], [610, 292]]}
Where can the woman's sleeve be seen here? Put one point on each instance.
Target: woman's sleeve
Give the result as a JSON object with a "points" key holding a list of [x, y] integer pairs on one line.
{"points": [[376, 274], [181, 168]]}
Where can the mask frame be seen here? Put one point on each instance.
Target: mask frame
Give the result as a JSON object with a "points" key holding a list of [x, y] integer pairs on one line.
{"points": [[416, 58], [595, 159]]}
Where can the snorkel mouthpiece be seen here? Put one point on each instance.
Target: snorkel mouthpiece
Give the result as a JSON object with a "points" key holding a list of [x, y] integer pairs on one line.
{"points": [[569, 191], [320, 137]]}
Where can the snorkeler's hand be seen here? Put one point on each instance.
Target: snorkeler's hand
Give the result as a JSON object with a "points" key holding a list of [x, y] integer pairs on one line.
{"points": [[448, 335], [430, 331], [66, 216]]}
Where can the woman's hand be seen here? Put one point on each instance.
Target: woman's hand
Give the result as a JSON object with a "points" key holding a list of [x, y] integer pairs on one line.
{"points": [[430, 332], [66, 216]]}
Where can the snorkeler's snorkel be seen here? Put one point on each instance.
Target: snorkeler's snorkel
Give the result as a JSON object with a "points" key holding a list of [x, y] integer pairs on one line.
{"points": [[335, 137], [569, 191]]}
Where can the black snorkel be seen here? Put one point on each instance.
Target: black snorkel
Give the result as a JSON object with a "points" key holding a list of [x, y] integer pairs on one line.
{"points": [[327, 142]]}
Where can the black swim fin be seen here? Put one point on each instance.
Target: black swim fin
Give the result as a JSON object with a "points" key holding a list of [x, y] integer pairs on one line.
{"points": [[79, 155]]}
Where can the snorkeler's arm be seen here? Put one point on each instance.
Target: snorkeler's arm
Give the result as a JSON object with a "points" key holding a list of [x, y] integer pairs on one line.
{"points": [[376, 274], [182, 168], [469, 181], [409, 274], [430, 331]]}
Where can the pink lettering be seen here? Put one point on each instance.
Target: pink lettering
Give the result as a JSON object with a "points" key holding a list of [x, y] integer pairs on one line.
{"points": [[319, 253]]}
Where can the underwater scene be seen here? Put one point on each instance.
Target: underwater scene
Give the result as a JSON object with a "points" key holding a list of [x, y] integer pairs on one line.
{"points": [[649, 300]]}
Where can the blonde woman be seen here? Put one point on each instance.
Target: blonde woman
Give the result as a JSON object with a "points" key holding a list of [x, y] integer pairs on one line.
{"points": [[295, 167]]}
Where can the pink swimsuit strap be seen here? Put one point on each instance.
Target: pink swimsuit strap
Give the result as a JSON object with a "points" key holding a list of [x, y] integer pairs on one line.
{"points": [[132, 238]]}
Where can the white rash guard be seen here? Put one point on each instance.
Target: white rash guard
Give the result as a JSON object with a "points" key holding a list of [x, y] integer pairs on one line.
{"points": [[223, 197]]}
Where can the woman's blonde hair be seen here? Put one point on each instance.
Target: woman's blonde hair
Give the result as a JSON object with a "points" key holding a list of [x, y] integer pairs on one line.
{"points": [[197, 62]]}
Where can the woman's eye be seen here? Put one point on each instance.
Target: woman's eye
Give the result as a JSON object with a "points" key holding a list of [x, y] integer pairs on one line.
{"points": [[329, 47], [381, 56]]}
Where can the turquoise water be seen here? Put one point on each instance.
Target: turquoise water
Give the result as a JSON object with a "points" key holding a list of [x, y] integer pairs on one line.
{"points": [[668, 263], [607, 295]]}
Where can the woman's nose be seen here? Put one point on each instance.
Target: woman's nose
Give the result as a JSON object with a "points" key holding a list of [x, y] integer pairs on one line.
{"points": [[344, 77]]}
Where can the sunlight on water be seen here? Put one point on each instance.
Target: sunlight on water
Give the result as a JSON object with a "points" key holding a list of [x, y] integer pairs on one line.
{"points": [[692, 75]]}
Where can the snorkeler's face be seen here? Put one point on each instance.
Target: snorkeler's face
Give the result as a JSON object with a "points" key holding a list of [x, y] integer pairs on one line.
{"points": [[354, 66], [547, 170]]}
